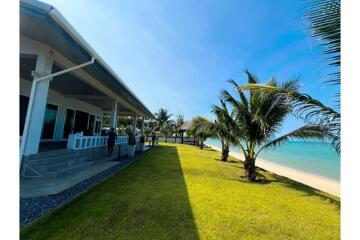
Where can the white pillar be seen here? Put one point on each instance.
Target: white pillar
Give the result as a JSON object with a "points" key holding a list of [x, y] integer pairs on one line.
{"points": [[134, 125], [113, 121], [142, 126], [38, 98]]}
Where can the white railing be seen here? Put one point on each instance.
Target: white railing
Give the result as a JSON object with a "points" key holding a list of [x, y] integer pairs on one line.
{"points": [[77, 141]]}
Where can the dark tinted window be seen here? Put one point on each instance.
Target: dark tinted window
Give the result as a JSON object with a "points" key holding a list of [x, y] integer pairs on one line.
{"points": [[69, 122], [49, 122], [81, 121], [24, 102]]}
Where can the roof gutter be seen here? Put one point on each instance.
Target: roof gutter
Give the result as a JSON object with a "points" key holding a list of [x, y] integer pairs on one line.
{"points": [[64, 71]]}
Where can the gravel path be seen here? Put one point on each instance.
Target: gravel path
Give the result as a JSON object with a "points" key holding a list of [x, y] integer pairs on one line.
{"points": [[33, 208]]}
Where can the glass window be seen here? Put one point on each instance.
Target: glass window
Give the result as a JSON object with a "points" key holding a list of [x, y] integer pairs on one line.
{"points": [[69, 122], [97, 126], [49, 122], [81, 121], [91, 125], [24, 102]]}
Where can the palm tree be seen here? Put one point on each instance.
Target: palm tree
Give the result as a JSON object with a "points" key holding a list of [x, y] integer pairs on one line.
{"points": [[324, 18], [258, 118], [165, 131], [197, 132], [220, 128], [307, 108], [179, 121], [162, 116]]}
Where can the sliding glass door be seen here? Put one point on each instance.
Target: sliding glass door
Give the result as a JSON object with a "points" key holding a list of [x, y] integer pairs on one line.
{"points": [[91, 125], [69, 122], [49, 121], [81, 121]]}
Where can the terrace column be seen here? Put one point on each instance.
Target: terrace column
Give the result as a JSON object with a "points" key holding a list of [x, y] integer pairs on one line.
{"points": [[37, 105], [113, 121], [142, 127], [134, 124]]}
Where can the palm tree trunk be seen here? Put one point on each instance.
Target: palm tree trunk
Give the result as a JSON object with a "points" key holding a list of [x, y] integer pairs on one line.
{"points": [[224, 153], [250, 170]]}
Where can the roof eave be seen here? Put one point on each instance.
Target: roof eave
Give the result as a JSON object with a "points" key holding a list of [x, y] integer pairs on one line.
{"points": [[60, 19]]}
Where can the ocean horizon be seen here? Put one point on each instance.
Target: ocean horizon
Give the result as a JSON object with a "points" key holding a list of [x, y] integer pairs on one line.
{"points": [[315, 158]]}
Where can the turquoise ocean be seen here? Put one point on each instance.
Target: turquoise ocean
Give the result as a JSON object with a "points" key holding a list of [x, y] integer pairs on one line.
{"points": [[315, 158]]}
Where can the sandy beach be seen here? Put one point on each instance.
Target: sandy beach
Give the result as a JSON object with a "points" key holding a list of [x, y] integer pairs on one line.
{"points": [[321, 183]]}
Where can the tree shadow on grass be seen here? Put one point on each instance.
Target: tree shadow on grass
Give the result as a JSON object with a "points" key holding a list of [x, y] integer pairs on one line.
{"points": [[228, 161], [147, 200], [265, 177], [307, 190]]}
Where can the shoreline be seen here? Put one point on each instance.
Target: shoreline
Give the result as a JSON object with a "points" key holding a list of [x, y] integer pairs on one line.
{"points": [[324, 184]]}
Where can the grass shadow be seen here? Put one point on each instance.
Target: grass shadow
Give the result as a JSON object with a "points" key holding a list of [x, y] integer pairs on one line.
{"points": [[147, 200], [265, 177], [307, 190]]}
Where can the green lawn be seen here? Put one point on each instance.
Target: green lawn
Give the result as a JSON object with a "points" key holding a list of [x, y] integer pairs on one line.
{"points": [[181, 192]]}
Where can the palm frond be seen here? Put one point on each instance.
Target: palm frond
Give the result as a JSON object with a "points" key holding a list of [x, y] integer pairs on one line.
{"points": [[304, 105], [310, 132], [324, 18], [308, 108], [251, 77]]}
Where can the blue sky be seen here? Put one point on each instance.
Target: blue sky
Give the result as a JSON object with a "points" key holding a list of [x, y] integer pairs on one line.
{"points": [[179, 54]]}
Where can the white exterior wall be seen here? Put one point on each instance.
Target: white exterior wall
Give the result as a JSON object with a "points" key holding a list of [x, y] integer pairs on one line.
{"points": [[62, 103]]}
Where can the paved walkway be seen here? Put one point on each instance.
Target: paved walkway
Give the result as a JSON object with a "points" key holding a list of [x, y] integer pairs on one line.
{"points": [[39, 187], [40, 196]]}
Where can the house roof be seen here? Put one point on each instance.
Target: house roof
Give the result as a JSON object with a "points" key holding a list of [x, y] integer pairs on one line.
{"points": [[45, 24]]}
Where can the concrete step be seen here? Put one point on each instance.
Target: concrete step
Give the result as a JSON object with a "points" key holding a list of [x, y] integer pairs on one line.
{"points": [[68, 171], [50, 154], [53, 159], [59, 165]]}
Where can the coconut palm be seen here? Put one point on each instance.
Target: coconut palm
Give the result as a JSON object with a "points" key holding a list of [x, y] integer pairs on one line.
{"points": [[196, 130], [258, 118], [165, 131], [220, 128], [162, 116], [307, 108], [179, 121]]}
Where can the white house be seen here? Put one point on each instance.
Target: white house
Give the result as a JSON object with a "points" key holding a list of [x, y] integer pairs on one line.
{"points": [[65, 86]]}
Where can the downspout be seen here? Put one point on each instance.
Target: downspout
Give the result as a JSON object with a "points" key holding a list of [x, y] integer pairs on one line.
{"points": [[31, 100]]}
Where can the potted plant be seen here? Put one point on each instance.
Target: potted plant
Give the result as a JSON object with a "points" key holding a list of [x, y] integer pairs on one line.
{"points": [[147, 132], [131, 142], [142, 143]]}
